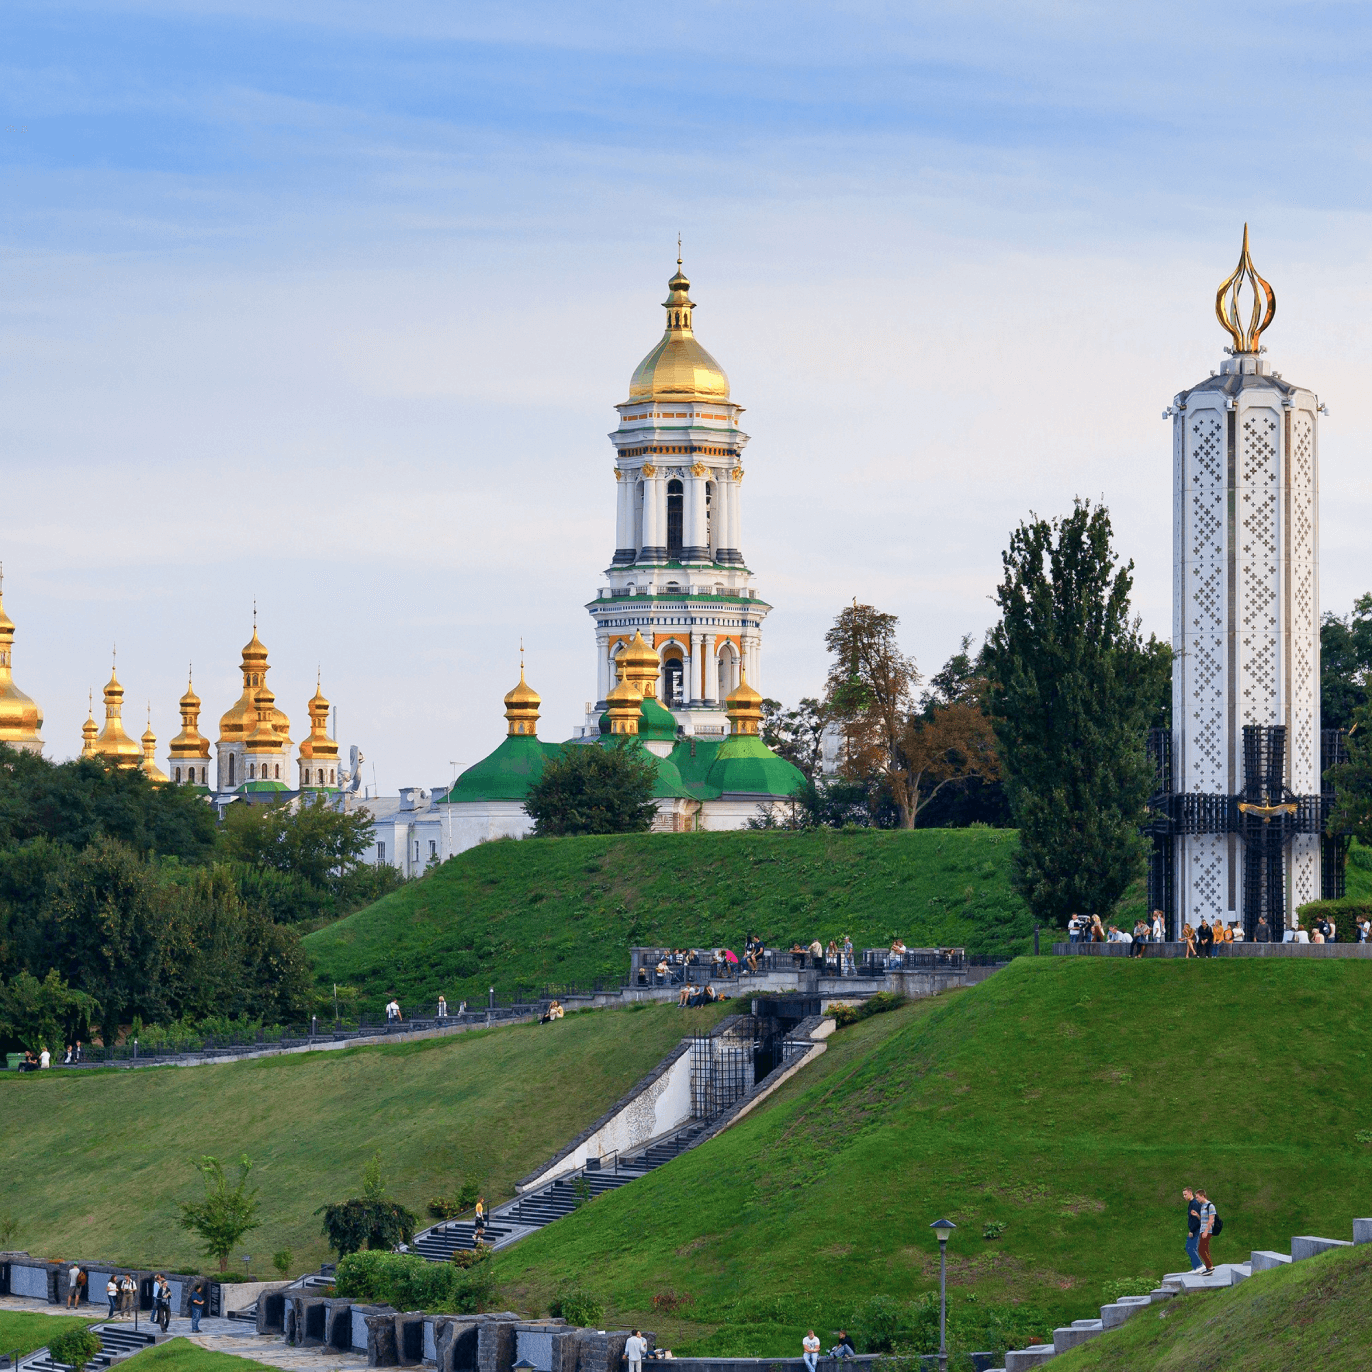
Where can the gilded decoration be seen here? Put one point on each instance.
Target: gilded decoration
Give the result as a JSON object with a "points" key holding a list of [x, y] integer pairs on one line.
{"points": [[619, 476], [1227, 310], [698, 469], [649, 470], [679, 367]]}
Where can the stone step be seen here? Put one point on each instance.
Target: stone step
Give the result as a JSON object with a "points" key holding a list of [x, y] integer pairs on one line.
{"points": [[1362, 1231], [1264, 1260], [1023, 1359], [1076, 1334], [1115, 1314], [1307, 1245]]}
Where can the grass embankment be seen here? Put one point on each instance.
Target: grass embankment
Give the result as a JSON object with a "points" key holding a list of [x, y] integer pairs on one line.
{"points": [[1316, 1313], [95, 1161], [30, 1329], [181, 1355], [1068, 1100], [566, 911]]}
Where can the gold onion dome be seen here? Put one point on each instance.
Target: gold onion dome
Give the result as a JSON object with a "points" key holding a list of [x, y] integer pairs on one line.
{"points": [[264, 738], [318, 743], [743, 705], [639, 662], [190, 743], [679, 367], [1227, 307], [21, 721], [150, 768], [241, 718], [623, 704], [89, 729], [521, 707], [114, 745]]}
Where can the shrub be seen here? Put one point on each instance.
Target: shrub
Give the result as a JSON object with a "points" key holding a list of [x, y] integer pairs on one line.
{"points": [[580, 1308], [75, 1348], [445, 1207], [993, 1229], [281, 1260], [878, 1004], [410, 1282], [878, 1323]]}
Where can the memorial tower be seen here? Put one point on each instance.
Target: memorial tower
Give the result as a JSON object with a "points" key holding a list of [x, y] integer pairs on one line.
{"points": [[1239, 814]]}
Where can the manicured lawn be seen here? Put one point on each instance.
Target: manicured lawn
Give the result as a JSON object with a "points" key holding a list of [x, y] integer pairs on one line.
{"points": [[1316, 1313], [180, 1355], [95, 1161], [1066, 1099], [565, 911], [30, 1329]]}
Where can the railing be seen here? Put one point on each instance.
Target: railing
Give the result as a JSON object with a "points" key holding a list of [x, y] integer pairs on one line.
{"points": [[879, 960], [694, 966]]}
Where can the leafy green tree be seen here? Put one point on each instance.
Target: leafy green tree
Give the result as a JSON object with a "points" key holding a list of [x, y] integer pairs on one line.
{"points": [[44, 1014], [592, 789], [1074, 689], [226, 1214], [797, 735], [77, 803], [281, 1260], [308, 839], [1345, 661], [1352, 810], [370, 1221]]}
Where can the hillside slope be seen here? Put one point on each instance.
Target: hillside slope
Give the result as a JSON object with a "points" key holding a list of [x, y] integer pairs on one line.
{"points": [[1316, 1313], [567, 910], [1068, 1100], [93, 1162]]}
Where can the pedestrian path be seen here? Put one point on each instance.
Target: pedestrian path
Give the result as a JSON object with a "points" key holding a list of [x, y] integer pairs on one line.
{"points": [[1177, 1284]]}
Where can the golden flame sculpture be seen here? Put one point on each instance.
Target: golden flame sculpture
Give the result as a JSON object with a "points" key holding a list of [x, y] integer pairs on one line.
{"points": [[1227, 309]]}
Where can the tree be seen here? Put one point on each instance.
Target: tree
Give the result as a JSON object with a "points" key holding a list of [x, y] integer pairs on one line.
{"points": [[954, 742], [308, 838], [226, 1214], [870, 692], [594, 790], [1352, 809], [370, 1221], [1345, 661], [45, 1014], [1074, 688], [797, 735], [75, 1348]]}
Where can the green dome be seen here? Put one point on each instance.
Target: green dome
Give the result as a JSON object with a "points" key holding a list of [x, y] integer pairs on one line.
{"points": [[655, 722], [745, 765], [257, 787], [506, 774]]}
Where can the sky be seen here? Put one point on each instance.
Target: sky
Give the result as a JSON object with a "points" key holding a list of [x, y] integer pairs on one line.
{"points": [[326, 307]]}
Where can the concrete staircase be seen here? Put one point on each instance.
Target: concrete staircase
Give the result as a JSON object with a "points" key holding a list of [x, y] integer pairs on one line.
{"points": [[559, 1198], [1177, 1284], [116, 1341]]}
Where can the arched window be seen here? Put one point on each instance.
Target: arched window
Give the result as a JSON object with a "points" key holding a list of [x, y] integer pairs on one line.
{"points": [[330, 776], [252, 771], [278, 771], [321, 776], [674, 516], [674, 681], [178, 776], [230, 769]]}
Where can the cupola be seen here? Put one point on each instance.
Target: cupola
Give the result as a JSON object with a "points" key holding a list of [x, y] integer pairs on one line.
{"points": [[679, 367], [21, 721]]}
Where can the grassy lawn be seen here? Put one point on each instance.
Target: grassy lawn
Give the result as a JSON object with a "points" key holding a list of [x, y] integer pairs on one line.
{"points": [[1317, 1313], [181, 1355], [30, 1329], [94, 1162], [1067, 1100], [566, 911]]}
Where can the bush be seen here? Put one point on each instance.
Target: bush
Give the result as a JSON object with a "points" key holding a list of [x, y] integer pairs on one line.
{"points": [[1127, 1286], [75, 1348], [410, 1282], [878, 1323], [445, 1207], [878, 1004], [580, 1308], [993, 1229], [281, 1260]]}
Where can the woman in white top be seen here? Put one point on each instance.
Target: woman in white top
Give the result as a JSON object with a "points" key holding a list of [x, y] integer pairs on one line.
{"points": [[1158, 929]]}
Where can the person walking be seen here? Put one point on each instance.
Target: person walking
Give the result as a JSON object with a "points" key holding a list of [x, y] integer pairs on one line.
{"points": [[480, 1218], [73, 1287], [392, 1011], [162, 1313], [1207, 1227], [1193, 1226], [810, 1343], [44, 1059], [112, 1293], [635, 1346], [197, 1306], [128, 1293], [442, 1008]]}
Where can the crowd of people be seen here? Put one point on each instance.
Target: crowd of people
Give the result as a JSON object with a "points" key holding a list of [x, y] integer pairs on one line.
{"points": [[1201, 939]]}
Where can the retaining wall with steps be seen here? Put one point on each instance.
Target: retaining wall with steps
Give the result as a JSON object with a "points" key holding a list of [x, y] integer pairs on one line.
{"points": [[1178, 1284]]}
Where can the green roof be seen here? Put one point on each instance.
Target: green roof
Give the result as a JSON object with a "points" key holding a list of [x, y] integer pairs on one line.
{"points": [[655, 722], [745, 764], [254, 787], [506, 774]]}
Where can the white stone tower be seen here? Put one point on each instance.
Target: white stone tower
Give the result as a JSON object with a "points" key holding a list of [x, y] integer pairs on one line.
{"points": [[678, 574], [1241, 834]]}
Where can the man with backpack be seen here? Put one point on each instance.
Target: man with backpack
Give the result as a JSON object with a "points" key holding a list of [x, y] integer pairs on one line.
{"points": [[1210, 1225], [1192, 1228]]}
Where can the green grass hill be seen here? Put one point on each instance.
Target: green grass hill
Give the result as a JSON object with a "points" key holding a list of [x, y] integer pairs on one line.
{"points": [[565, 911], [94, 1161], [1063, 1103], [1317, 1313]]}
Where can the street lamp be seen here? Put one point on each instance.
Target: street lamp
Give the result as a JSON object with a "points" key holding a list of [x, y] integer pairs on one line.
{"points": [[943, 1228]]}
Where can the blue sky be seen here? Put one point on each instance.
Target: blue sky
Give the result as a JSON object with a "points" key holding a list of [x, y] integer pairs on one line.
{"points": [[331, 311]]}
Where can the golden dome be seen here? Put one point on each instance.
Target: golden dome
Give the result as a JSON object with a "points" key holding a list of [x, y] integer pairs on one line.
{"points": [[743, 705], [150, 768], [521, 707], [623, 705], [318, 744], [114, 745], [21, 721], [679, 366], [240, 719], [190, 742], [89, 730], [639, 662], [264, 738]]}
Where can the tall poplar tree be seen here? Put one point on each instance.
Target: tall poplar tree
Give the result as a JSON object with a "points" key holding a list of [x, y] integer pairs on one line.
{"points": [[1074, 690]]}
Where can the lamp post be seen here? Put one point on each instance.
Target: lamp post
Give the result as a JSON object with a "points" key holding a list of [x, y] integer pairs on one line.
{"points": [[943, 1228]]}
